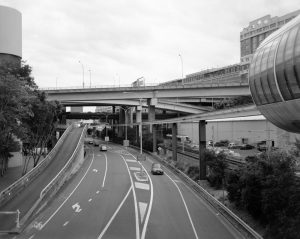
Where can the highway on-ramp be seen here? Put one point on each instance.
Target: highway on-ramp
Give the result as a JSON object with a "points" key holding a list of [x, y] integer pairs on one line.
{"points": [[114, 196]]}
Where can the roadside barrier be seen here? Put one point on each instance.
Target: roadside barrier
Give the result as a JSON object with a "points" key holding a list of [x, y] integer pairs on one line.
{"points": [[55, 184], [238, 223], [15, 188]]}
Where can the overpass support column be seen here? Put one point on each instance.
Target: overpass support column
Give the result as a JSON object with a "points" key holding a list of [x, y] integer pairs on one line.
{"points": [[121, 121], [154, 133], [202, 147], [174, 141], [151, 110]]}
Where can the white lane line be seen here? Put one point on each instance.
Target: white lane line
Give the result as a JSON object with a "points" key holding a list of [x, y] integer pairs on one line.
{"points": [[69, 195], [134, 168], [186, 208], [150, 204], [143, 207], [137, 225], [97, 192], [105, 170], [131, 160], [31, 236], [90, 200], [144, 186], [114, 215], [66, 223]]}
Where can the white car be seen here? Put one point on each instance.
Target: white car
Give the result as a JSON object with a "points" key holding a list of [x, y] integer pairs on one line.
{"points": [[103, 147]]}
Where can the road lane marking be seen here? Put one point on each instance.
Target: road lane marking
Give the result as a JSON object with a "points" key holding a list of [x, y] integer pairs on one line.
{"points": [[134, 168], [186, 208], [143, 207], [137, 225], [90, 200], [76, 207], [130, 160], [144, 186], [150, 204], [141, 176], [114, 215], [97, 192], [69, 195], [31, 236], [95, 170], [66, 223], [105, 170]]}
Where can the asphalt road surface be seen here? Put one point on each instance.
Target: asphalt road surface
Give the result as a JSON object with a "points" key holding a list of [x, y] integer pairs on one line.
{"points": [[111, 197]]}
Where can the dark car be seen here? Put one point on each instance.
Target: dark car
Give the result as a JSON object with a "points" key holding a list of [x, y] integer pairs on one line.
{"points": [[156, 169], [246, 146]]}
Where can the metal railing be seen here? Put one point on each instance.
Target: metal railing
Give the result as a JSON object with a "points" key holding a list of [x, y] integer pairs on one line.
{"points": [[21, 183]]}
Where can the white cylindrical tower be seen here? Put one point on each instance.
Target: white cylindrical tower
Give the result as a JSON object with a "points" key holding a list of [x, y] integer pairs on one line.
{"points": [[10, 35]]}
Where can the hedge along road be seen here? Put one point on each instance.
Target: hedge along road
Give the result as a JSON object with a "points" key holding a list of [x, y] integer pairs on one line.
{"points": [[111, 198]]}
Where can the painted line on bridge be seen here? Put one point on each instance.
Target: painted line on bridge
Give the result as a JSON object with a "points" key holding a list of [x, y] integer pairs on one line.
{"points": [[144, 186]]}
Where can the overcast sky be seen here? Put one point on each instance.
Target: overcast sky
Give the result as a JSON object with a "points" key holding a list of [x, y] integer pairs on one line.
{"points": [[122, 40]]}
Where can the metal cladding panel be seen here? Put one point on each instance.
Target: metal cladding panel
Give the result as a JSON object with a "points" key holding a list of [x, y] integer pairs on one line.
{"points": [[274, 77], [10, 31], [285, 115]]}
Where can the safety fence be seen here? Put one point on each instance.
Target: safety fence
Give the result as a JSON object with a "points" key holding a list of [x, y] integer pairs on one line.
{"points": [[15, 188], [57, 182]]}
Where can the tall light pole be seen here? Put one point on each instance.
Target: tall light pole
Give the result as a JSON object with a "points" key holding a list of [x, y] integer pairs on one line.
{"points": [[181, 66], [82, 73], [90, 78]]}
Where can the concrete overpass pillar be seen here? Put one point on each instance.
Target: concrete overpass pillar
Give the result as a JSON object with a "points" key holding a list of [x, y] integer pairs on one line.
{"points": [[151, 110], [121, 121], [154, 133], [174, 141], [202, 147]]}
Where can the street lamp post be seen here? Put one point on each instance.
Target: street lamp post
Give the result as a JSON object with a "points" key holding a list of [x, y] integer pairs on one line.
{"points": [[181, 67], [90, 78], [82, 73]]}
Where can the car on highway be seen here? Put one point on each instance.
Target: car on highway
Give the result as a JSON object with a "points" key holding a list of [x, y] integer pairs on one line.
{"points": [[246, 146], [157, 169], [103, 147]]}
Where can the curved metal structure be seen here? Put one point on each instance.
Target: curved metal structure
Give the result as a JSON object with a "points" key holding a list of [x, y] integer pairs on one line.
{"points": [[274, 77], [10, 35]]}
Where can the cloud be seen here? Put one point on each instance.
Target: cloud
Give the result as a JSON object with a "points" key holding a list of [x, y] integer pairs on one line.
{"points": [[127, 39]]}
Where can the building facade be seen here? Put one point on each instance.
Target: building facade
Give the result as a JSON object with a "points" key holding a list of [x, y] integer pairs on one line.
{"points": [[257, 31]]}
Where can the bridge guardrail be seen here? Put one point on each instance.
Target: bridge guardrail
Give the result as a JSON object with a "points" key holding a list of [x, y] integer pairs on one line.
{"points": [[66, 167], [238, 223], [21, 183], [58, 180]]}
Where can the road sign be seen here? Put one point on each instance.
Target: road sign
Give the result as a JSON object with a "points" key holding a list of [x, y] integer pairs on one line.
{"points": [[141, 157], [126, 143], [106, 138]]}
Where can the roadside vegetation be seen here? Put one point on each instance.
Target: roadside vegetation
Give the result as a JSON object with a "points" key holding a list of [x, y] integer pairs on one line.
{"points": [[25, 116], [266, 187]]}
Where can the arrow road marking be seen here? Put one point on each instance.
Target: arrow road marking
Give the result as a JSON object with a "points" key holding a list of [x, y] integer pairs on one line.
{"points": [[76, 207]]}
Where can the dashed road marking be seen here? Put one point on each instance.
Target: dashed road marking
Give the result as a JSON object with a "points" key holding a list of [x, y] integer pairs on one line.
{"points": [[66, 223], [31, 236], [95, 170], [131, 160], [97, 192], [90, 200], [144, 186]]}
